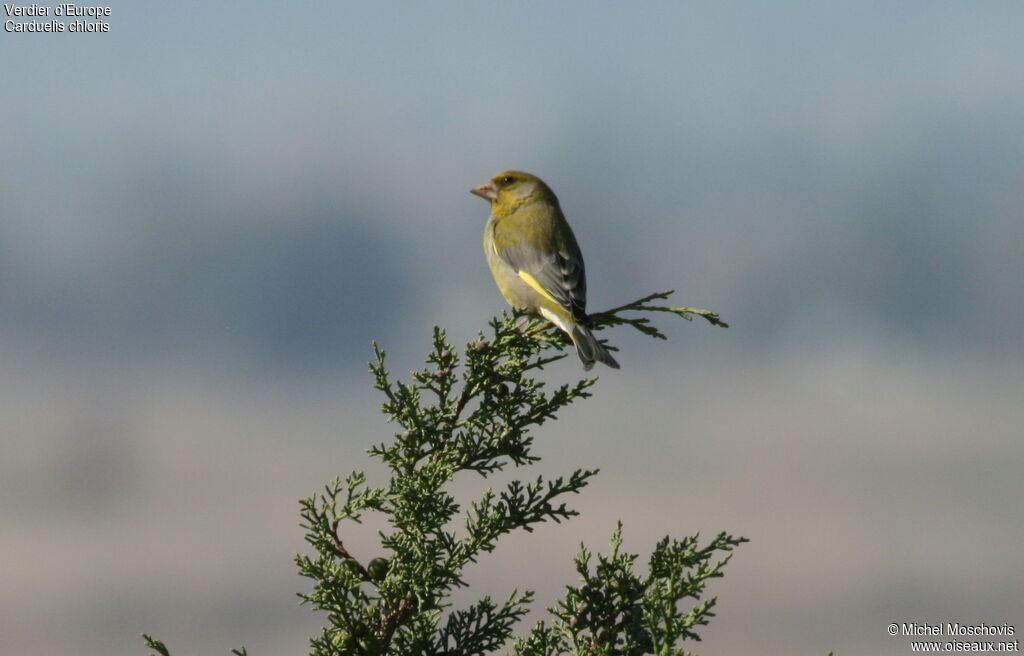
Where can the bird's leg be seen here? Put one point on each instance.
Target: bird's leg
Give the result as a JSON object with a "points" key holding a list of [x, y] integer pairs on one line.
{"points": [[519, 327]]}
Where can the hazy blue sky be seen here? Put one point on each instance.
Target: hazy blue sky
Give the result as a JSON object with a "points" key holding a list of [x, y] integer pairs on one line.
{"points": [[208, 212]]}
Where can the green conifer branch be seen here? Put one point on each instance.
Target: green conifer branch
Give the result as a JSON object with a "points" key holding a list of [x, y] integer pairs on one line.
{"points": [[476, 412], [614, 316]]}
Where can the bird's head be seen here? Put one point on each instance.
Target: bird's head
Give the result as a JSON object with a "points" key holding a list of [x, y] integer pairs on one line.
{"points": [[510, 189]]}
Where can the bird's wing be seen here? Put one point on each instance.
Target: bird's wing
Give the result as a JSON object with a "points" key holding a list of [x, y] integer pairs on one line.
{"points": [[557, 273]]}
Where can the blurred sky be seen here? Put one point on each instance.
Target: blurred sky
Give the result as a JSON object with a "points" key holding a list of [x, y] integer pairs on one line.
{"points": [[208, 213]]}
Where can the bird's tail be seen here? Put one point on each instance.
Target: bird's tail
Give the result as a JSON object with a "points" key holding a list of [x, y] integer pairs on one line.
{"points": [[589, 349]]}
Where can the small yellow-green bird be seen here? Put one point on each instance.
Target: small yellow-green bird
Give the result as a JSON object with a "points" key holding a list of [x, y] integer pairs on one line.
{"points": [[535, 260]]}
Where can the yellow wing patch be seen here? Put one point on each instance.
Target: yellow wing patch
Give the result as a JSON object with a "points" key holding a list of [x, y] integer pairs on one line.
{"points": [[532, 282]]}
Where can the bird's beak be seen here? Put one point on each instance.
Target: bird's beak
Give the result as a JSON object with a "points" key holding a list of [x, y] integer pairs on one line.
{"points": [[486, 190]]}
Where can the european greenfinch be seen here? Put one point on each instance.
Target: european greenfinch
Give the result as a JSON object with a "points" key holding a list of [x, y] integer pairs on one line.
{"points": [[535, 259]]}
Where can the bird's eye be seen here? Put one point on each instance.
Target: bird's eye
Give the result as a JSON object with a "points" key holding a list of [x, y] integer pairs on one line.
{"points": [[507, 180]]}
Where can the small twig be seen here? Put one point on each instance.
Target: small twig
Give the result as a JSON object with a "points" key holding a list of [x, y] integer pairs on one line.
{"points": [[338, 546], [394, 619], [460, 405], [611, 317], [343, 552]]}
